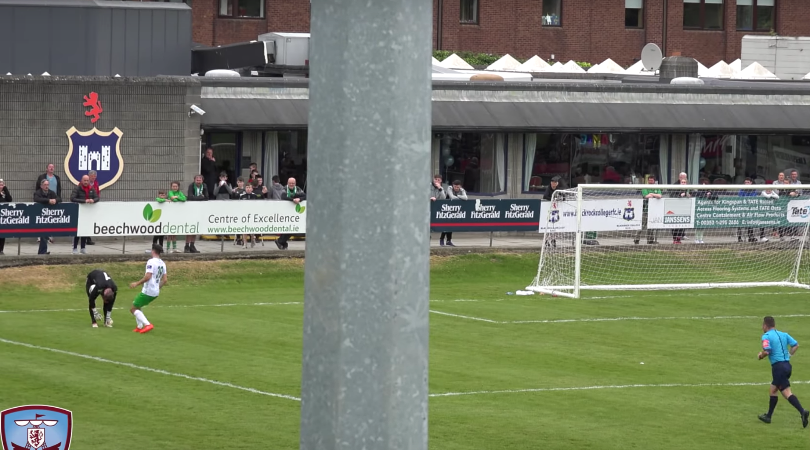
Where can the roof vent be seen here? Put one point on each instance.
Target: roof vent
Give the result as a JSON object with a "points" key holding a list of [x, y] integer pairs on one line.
{"points": [[676, 67]]}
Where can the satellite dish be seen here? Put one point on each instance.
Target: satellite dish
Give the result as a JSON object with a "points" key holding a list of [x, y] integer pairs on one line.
{"points": [[651, 57]]}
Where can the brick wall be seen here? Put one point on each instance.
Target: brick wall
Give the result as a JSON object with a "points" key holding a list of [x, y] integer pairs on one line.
{"points": [[280, 16], [160, 142], [592, 30]]}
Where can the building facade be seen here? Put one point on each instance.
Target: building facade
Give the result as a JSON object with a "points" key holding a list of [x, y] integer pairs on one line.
{"points": [[579, 30], [137, 134]]}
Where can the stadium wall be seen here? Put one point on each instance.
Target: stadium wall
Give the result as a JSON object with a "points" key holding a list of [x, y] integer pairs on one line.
{"points": [[159, 140]]}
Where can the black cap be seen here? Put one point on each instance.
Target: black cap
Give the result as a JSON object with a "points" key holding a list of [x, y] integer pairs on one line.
{"points": [[157, 249], [556, 178]]}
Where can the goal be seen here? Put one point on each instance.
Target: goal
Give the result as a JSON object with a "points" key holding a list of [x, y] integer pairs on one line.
{"points": [[609, 237]]}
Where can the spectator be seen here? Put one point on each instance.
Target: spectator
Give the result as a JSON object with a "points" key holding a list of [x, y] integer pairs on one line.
{"points": [[296, 195], [83, 193], [55, 184], [239, 190], [708, 195], [276, 188], [794, 179], [436, 189], [197, 192], [678, 233], [454, 192], [208, 170], [5, 197], [767, 193], [226, 167], [254, 170], [248, 195], [94, 184], [749, 193], [781, 180], [773, 195], [551, 188], [54, 181], [258, 183], [45, 196], [610, 176], [174, 195], [223, 190], [647, 194], [683, 177], [161, 198]]}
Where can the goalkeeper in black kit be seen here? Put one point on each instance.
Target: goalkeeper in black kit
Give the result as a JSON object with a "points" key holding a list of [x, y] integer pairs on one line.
{"points": [[99, 283]]}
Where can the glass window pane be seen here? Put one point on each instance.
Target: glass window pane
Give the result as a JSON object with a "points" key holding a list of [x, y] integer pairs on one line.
{"points": [[714, 16], [691, 15], [225, 8], [292, 157], [691, 1], [765, 18], [745, 2], [745, 17], [552, 158], [472, 160], [633, 18], [633, 4], [250, 8], [469, 11], [715, 2], [552, 12], [765, 2]]}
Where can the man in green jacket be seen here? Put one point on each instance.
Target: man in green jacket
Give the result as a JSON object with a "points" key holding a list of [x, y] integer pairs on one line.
{"points": [[647, 194]]}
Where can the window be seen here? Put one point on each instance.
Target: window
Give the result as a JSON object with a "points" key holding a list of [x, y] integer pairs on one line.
{"points": [[225, 146], [292, 157], [552, 13], [587, 158], [703, 14], [469, 11], [242, 8], [755, 15], [478, 160], [634, 13]]}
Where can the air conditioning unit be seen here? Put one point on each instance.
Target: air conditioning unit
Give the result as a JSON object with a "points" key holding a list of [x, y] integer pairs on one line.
{"points": [[287, 49]]}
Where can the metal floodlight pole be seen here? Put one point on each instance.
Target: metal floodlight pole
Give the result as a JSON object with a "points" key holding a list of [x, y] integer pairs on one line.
{"points": [[365, 344]]}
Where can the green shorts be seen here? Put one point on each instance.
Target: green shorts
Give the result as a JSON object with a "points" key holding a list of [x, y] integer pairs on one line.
{"points": [[142, 300]]}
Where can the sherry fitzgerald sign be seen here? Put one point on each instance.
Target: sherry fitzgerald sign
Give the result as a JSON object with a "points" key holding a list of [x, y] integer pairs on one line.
{"points": [[95, 149]]}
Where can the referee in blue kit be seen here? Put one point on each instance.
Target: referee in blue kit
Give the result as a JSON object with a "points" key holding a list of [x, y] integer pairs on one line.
{"points": [[779, 346]]}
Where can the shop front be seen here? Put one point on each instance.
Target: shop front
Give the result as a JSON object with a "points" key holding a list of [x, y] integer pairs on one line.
{"points": [[507, 140]]}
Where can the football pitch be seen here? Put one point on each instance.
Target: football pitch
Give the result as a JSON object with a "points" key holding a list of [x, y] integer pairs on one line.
{"points": [[222, 369]]}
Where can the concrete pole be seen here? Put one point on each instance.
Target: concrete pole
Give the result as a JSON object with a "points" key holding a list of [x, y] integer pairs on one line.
{"points": [[365, 348]]}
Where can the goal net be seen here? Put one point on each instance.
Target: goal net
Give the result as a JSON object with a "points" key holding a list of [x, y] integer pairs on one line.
{"points": [[625, 237]]}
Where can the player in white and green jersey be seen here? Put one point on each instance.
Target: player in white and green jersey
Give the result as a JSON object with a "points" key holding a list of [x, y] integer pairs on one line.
{"points": [[154, 279]]}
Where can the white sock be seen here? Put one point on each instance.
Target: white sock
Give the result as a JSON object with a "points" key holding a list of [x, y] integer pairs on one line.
{"points": [[141, 318], [109, 315]]}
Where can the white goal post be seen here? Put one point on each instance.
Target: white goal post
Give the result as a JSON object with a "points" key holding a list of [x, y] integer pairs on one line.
{"points": [[659, 237]]}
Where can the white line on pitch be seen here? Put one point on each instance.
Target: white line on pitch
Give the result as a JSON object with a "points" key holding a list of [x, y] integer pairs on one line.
{"points": [[157, 306], [149, 369], [592, 388], [465, 317], [620, 319], [202, 306], [705, 294]]}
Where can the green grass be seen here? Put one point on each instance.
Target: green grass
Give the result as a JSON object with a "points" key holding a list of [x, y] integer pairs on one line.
{"points": [[259, 347]]}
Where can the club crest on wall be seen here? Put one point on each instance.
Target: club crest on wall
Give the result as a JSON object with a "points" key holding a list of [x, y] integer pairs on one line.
{"points": [[94, 150]]}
